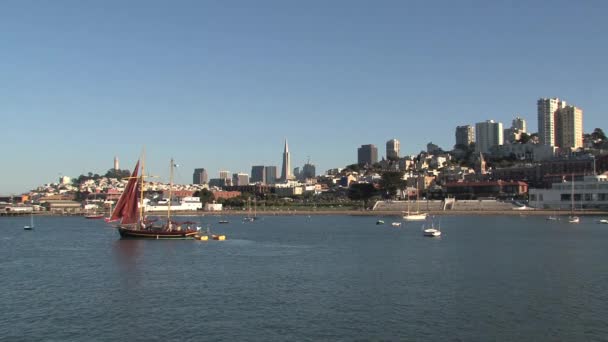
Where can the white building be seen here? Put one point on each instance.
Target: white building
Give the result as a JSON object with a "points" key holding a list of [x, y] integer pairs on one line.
{"points": [[487, 135], [570, 127], [589, 193]]}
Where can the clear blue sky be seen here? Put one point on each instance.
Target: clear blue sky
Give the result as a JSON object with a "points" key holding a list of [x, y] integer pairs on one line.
{"points": [[220, 84]]}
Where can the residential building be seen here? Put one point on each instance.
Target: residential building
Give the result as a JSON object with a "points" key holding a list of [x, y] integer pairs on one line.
{"points": [[519, 124], [487, 135], [367, 154], [547, 117], [240, 179], [392, 149], [432, 148], [200, 176], [465, 135], [570, 127]]}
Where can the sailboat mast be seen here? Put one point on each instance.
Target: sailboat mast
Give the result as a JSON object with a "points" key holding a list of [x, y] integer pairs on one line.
{"points": [[572, 196], [141, 189], [170, 192]]}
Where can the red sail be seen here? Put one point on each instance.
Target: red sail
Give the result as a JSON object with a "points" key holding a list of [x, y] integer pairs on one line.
{"points": [[126, 209]]}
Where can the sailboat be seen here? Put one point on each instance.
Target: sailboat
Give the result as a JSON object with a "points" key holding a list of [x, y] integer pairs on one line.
{"points": [[130, 212], [31, 226], [430, 230], [417, 215], [572, 218], [249, 218]]}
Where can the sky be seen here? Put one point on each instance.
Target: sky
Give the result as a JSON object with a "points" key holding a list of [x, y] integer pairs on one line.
{"points": [[221, 84]]}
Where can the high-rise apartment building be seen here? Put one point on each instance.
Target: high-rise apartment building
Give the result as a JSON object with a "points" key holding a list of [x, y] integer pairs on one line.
{"points": [[367, 154], [271, 174], [392, 149], [286, 168], [225, 178], [200, 176], [519, 124], [258, 174], [487, 135], [569, 129], [560, 124], [547, 117], [465, 135]]}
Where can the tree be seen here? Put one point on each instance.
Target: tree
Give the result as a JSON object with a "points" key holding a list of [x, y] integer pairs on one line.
{"points": [[524, 138], [361, 192], [392, 181], [598, 134], [206, 196]]}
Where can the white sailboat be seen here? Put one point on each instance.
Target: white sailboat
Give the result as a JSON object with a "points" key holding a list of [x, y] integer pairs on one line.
{"points": [[31, 225], [417, 215], [572, 218], [431, 230]]}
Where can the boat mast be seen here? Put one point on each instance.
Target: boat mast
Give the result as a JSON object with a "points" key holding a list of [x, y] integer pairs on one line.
{"points": [[170, 193], [572, 195], [141, 190]]}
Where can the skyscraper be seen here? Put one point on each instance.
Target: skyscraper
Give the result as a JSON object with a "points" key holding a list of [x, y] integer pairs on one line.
{"points": [[569, 131], [308, 171], [547, 117], [487, 135], [258, 174], [271, 174], [225, 178], [240, 179], [367, 154], [286, 169], [465, 135], [200, 176], [392, 149]]}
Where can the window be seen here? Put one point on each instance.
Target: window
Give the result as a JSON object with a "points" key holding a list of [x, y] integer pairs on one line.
{"points": [[588, 197], [533, 197], [565, 197]]}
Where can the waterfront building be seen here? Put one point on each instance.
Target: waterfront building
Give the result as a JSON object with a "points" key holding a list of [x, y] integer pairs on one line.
{"points": [[569, 129], [258, 174], [590, 192], [271, 174], [367, 155], [286, 168], [465, 135], [487, 135], [392, 149], [200, 176], [486, 189]]}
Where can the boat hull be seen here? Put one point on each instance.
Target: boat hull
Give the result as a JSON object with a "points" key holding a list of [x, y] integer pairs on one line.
{"points": [[414, 217], [128, 233]]}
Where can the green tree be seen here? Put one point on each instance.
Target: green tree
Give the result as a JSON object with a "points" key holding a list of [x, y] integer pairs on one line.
{"points": [[206, 196], [361, 192], [390, 182]]}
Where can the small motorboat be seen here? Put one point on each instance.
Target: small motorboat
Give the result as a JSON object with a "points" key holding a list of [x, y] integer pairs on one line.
{"points": [[552, 218], [603, 221], [379, 222], [396, 224], [222, 221]]}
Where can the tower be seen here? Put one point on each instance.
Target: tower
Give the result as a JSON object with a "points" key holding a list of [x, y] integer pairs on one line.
{"points": [[547, 119], [487, 135], [286, 169], [116, 166]]}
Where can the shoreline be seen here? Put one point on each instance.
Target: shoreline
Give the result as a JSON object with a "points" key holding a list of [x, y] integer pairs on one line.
{"points": [[539, 212]]}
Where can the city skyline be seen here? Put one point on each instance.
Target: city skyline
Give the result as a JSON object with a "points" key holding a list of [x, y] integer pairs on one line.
{"points": [[111, 84]]}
